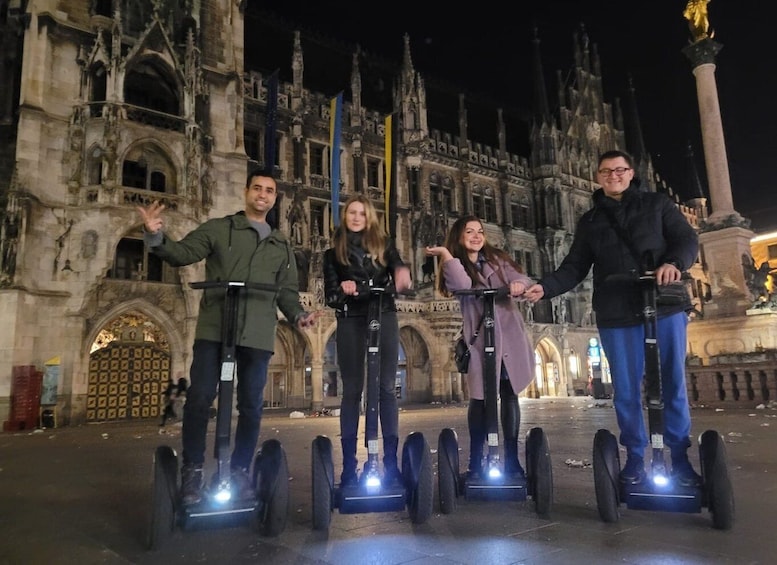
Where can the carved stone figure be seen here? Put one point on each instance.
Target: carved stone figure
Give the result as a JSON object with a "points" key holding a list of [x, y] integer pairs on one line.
{"points": [[756, 277]]}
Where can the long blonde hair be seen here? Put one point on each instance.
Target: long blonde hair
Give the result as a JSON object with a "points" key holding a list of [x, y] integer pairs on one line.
{"points": [[374, 236]]}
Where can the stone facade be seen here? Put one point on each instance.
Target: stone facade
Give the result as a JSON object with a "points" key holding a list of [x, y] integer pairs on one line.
{"points": [[122, 103]]}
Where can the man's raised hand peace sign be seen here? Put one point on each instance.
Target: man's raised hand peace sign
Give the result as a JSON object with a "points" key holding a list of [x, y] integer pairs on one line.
{"points": [[152, 216]]}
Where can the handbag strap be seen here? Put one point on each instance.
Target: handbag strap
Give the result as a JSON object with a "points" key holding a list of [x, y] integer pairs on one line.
{"points": [[477, 330], [623, 234]]}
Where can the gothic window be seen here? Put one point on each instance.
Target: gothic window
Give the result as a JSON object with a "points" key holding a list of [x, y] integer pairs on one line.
{"points": [[525, 215], [412, 119], [137, 175], [447, 194], [489, 205], [146, 167], [317, 159], [373, 173], [435, 193], [98, 87], [515, 213], [95, 166], [149, 85], [157, 181], [477, 202], [133, 174], [133, 262], [317, 218]]}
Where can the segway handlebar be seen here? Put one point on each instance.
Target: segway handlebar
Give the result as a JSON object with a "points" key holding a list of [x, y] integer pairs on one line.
{"points": [[500, 292], [234, 284], [634, 277], [389, 288]]}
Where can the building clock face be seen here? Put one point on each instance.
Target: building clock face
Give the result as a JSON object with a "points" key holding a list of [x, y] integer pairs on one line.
{"points": [[593, 131]]}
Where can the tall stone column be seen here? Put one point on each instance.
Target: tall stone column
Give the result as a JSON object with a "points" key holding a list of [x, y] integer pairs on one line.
{"points": [[702, 56], [725, 235]]}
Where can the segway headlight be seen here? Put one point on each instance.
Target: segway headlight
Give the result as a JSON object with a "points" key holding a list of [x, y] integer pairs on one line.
{"points": [[223, 494], [494, 472]]}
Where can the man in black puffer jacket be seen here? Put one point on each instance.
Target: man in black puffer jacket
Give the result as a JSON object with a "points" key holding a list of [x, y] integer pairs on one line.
{"points": [[662, 241]]}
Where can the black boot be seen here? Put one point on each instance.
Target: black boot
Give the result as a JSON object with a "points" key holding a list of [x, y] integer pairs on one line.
{"points": [[391, 470], [511, 422], [349, 476], [477, 437]]}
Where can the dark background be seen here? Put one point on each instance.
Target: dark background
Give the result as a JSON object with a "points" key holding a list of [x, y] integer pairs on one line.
{"points": [[484, 49]]}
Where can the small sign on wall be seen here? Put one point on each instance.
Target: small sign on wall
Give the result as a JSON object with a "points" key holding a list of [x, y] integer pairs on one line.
{"points": [[50, 385]]}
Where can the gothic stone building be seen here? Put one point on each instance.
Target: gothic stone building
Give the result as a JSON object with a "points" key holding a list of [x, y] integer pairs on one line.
{"points": [[111, 104]]}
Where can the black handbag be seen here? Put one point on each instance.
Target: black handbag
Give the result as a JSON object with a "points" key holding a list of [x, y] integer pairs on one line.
{"points": [[461, 350]]}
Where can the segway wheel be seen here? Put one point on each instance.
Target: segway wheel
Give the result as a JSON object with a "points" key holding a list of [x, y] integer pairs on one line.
{"points": [[417, 475], [271, 478], [540, 471], [323, 474], [164, 496], [717, 484], [606, 471], [448, 470]]}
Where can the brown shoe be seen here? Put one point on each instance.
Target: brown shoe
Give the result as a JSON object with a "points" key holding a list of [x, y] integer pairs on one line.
{"points": [[192, 481]]}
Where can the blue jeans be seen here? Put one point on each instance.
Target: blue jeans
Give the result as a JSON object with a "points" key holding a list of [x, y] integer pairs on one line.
{"points": [[252, 367], [625, 352], [351, 356]]}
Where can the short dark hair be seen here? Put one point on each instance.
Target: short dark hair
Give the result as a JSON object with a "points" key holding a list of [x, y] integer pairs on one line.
{"points": [[259, 172], [614, 154]]}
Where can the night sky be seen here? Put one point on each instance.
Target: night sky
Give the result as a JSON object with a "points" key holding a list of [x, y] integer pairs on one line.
{"points": [[485, 48]]}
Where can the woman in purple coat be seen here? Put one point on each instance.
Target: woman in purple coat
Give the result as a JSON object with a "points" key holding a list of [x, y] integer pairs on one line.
{"points": [[469, 261]]}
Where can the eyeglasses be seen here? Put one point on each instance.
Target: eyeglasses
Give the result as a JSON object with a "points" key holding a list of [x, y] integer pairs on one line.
{"points": [[620, 171]]}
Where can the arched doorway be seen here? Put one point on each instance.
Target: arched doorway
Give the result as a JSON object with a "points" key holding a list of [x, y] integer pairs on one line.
{"points": [[549, 374], [129, 367]]}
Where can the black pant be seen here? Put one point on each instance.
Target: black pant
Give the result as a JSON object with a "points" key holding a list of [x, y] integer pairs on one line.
{"points": [[351, 357]]}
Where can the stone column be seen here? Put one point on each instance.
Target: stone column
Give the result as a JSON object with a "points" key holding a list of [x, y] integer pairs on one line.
{"points": [[725, 234], [317, 385], [702, 57]]}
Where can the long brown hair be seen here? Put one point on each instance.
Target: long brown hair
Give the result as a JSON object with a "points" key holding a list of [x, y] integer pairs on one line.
{"points": [[492, 255], [374, 236]]}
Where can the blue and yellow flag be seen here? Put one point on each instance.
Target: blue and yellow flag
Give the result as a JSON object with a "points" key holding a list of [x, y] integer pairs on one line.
{"points": [[390, 191], [335, 132]]}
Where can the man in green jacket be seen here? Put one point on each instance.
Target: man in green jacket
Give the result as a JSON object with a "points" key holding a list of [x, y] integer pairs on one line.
{"points": [[240, 247]]}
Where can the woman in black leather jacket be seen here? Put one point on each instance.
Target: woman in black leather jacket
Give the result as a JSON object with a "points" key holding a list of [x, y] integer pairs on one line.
{"points": [[362, 256]]}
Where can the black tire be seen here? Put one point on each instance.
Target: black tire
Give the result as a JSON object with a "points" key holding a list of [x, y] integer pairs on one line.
{"points": [[540, 471], [448, 470], [164, 497], [717, 483], [606, 472], [271, 479], [323, 474], [417, 475]]}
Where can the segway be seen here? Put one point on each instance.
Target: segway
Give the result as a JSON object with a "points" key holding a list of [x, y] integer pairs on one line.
{"points": [[494, 483], [370, 493], [658, 491], [268, 508]]}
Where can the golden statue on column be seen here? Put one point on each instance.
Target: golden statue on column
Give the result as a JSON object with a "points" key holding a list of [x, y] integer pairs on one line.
{"points": [[698, 19]]}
